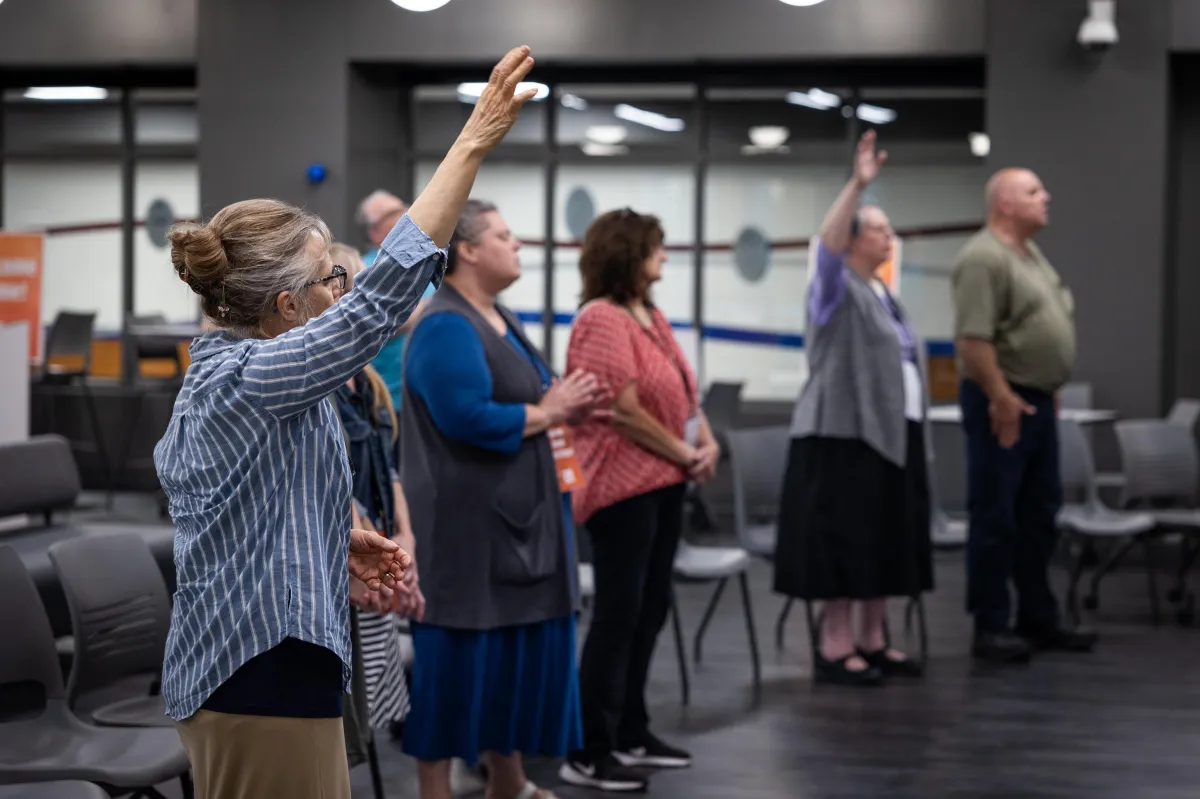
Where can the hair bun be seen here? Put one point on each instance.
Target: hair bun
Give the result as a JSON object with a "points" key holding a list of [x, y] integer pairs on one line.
{"points": [[198, 256]]}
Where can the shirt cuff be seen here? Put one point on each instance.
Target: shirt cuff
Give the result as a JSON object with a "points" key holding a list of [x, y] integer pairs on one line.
{"points": [[408, 245]]}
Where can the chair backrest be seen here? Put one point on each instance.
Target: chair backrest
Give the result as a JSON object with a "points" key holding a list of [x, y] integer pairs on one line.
{"points": [[37, 476], [120, 611], [1076, 396], [1075, 461], [1159, 463], [723, 405], [27, 652], [71, 336], [1185, 413], [757, 458]]}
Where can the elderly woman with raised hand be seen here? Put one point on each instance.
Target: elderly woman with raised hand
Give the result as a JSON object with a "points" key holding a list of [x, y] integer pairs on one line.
{"points": [[494, 669], [854, 521], [254, 466]]}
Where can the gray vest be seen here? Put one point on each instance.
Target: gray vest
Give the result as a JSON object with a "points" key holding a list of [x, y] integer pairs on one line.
{"points": [[855, 387], [491, 548]]}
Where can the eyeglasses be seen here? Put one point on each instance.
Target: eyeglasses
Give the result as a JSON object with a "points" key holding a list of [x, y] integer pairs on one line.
{"points": [[338, 274]]}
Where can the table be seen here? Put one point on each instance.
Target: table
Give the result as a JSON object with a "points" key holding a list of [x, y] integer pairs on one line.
{"points": [[949, 532]]}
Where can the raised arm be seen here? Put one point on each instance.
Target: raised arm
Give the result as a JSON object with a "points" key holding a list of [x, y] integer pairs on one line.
{"points": [[294, 371]]}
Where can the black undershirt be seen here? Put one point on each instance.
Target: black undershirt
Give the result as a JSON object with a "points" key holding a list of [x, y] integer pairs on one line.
{"points": [[295, 679]]}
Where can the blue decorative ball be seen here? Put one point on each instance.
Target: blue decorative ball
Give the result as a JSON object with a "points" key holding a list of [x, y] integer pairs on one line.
{"points": [[316, 173]]}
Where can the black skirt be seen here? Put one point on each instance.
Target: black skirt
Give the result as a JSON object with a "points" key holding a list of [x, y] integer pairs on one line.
{"points": [[853, 525]]}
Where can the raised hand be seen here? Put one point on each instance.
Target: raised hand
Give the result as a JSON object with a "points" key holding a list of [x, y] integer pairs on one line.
{"points": [[572, 398], [868, 161], [376, 560], [500, 105]]}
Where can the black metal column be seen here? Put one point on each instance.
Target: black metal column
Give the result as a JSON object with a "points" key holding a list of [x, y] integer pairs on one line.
{"points": [[701, 197], [128, 216]]}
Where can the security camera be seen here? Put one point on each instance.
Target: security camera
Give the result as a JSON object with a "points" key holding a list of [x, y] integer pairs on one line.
{"points": [[1099, 31]]}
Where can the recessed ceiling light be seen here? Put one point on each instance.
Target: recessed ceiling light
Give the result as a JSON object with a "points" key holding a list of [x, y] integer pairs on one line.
{"points": [[65, 92], [470, 92], [606, 134], [420, 5], [875, 114], [769, 136], [801, 2]]}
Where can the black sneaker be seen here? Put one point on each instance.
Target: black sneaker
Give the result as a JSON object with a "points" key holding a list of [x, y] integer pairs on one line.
{"points": [[650, 752], [1000, 647], [603, 774]]}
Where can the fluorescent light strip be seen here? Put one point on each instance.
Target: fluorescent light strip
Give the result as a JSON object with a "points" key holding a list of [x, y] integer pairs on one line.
{"points": [[649, 119], [65, 93], [470, 92], [574, 102], [815, 98], [874, 114]]}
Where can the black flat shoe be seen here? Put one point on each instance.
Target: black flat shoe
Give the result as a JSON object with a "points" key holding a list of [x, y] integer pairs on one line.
{"points": [[836, 672], [1059, 639], [890, 667]]}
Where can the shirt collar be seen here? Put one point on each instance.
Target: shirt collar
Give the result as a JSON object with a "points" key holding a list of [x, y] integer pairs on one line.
{"points": [[211, 344]]}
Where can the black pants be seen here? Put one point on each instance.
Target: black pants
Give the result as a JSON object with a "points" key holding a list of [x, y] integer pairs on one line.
{"points": [[633, 552], [1013, 497]]}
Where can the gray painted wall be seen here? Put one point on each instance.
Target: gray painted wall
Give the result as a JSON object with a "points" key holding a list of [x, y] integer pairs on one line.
{"points": [[1183, 356], [36, 33], [657, 31], [1095, 129]]}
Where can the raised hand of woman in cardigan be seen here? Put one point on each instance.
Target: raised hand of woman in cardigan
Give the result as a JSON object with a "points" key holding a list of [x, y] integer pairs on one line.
{"points": [[376, 560], [499, 105], [867, 160], [571, 397]]}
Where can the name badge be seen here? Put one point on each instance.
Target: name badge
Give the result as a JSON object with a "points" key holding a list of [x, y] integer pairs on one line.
{"points": [[691, 430], [566, 462]]}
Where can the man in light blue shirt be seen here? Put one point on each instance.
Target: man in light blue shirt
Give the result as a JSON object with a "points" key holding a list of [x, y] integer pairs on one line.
{"points": [[378, 213]]}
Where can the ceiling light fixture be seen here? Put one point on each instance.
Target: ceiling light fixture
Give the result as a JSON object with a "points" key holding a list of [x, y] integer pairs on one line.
{"points": [[769, 136], [981, 144], [598, 149], [574, 102], [65, 93], [470, 92], [606, 134], [801, 3], [650, 119], [875, 114], [420, 5], [819, 99]]}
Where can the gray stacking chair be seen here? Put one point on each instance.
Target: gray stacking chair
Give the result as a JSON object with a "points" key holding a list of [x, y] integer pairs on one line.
{"points": [[1161, 469], [41, 740], [1089, 519], [53, 790], [695, 564], [1185, 413], [1076, 396], [120, 615], [758, 459]]}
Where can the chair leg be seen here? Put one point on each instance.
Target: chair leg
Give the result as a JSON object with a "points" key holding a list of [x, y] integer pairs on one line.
{"points": [[814, 631], [751, 634], [186, 788], [680, 650], [708, 614], [1077, 566], [781, 623], [1092, 600], [376, 774], [916, 607], [1151, 581]]}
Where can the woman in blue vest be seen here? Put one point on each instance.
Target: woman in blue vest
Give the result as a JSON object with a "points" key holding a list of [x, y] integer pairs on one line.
{"points": [[494, 671], [854, 521]]}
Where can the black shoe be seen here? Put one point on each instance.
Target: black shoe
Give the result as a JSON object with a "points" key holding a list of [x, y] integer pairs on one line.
{"points": [[1000, 647], [650, 752], [603, 774], [889, 667], [396, 730], [838, 673], [1059, 639]]}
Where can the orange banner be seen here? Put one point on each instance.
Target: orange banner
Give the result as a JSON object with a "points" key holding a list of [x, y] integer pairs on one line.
{"points": [[889, 271], [21, 284]]}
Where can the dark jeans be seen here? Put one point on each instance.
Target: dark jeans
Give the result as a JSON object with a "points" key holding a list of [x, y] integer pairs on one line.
{"points": [[633, 552], [1013, 497]]}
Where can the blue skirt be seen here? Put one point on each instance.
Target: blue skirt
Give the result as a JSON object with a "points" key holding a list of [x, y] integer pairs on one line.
{"points": [[512, 689]]}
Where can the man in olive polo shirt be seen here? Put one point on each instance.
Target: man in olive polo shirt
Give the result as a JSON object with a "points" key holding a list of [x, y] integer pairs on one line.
{"points": [[1015, 331]]}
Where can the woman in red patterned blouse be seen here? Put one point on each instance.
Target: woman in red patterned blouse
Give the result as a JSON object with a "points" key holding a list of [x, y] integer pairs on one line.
{"points": [[636, 466]]}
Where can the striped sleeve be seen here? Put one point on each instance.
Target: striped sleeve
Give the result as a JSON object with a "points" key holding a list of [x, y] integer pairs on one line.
{"points": [[600, 343], [290, 373]]}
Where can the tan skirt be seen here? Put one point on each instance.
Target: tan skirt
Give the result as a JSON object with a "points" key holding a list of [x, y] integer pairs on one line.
{"points": [[256, 757]]}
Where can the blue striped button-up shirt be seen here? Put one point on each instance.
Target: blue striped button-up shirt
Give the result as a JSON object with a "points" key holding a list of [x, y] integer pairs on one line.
{"points": [[254, 467]]}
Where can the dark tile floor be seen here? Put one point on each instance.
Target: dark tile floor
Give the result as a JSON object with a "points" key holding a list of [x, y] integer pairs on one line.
{"points": [[1123, 722]]}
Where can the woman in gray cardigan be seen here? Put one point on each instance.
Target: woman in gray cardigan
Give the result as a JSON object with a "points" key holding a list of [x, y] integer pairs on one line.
{"points": [[854, 522]]}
